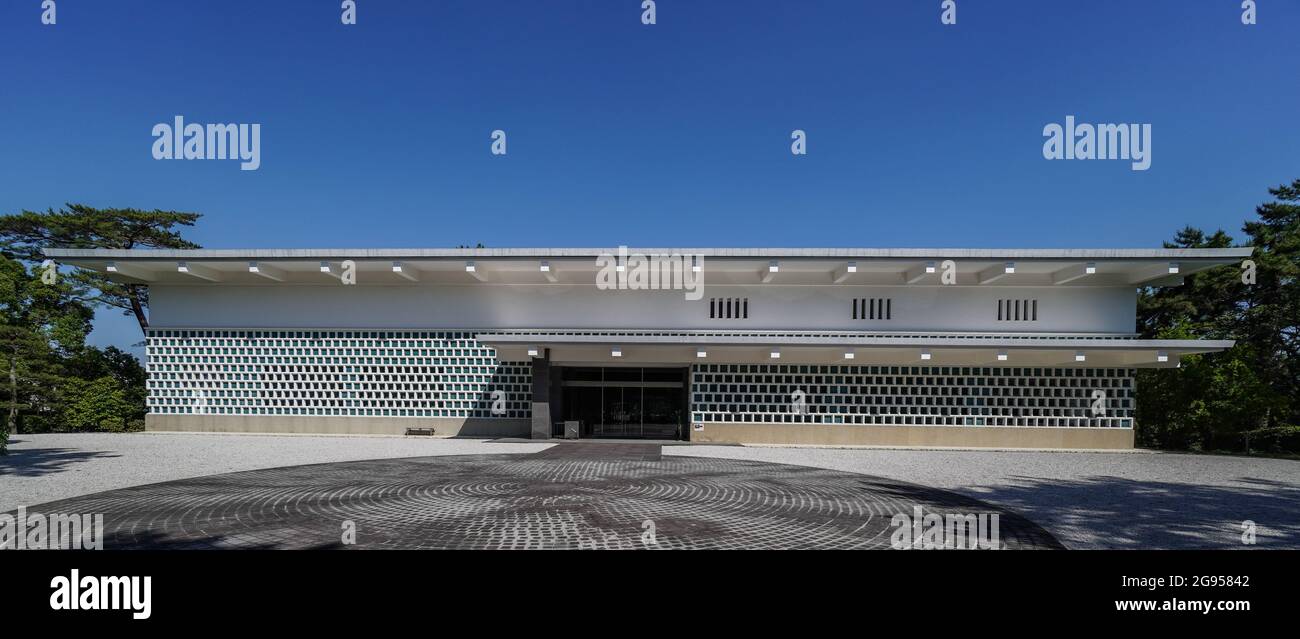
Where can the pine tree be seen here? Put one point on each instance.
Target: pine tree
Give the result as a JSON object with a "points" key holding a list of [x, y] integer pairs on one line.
{"points": [[24, 235]]}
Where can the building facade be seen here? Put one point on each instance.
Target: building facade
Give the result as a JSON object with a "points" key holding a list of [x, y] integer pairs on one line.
{"points": [[909, 347]]}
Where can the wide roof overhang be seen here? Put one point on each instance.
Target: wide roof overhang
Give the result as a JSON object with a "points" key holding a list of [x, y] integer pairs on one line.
{"points": [[737, 266]]}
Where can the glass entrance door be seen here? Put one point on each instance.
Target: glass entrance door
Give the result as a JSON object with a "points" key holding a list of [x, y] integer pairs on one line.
{"points": [[626, 402], [622, 412]]}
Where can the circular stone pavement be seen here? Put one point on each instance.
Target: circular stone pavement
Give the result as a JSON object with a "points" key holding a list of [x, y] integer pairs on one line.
{"points": [[528, 501]]}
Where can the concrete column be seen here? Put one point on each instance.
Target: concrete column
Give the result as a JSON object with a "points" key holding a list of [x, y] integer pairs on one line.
{"points": [[542, 396]]}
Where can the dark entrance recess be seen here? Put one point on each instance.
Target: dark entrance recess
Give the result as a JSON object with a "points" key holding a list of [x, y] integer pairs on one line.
{"points": [[624, 402]]}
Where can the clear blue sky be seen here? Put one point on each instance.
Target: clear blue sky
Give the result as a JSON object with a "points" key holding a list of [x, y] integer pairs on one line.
{"points": [[677, 134]]}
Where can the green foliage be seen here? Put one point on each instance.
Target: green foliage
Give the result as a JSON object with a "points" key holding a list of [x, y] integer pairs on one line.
{"points": [[116, 364], [50, 380], [41, 325], [99, 404], [1213, 401]]}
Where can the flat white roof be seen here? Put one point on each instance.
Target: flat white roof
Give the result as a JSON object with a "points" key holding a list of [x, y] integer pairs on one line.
{"points": [[740, 253], [572, 266]]}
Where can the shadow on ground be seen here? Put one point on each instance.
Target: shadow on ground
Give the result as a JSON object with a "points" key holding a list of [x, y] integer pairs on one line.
{"points": [[35, 462], [1113, 512], [157, 540]]}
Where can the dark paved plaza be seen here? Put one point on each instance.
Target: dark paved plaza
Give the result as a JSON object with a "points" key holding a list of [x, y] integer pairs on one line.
{"points": [[570, 496]]}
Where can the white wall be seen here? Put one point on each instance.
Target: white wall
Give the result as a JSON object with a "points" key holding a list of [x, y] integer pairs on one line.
{"points": [[488, 306]]}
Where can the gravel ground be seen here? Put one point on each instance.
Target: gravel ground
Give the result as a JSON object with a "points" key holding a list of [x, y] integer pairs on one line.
{"points": [[1089, 500], [47, 467]]}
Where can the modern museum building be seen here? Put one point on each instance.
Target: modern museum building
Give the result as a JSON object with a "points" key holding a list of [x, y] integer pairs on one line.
{"points": [[1033, 348]]}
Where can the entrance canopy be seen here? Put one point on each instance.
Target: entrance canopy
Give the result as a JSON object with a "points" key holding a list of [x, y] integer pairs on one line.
{"points": [[785, 347]]}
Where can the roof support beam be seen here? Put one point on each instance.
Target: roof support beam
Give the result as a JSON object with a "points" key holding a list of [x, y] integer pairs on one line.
{"points": [[201, 272], [129, 270], [996, 273], [267, 271], [1072, 273], [405, 272], [842, 273], [918, 273]]}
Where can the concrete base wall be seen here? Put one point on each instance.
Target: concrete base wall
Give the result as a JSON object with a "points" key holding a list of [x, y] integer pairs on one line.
{"points": [[922, 436], [729, 433], [337, 425]]}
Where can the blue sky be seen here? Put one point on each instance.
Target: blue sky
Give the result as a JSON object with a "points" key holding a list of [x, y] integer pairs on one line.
{"points": [[676, 134]]}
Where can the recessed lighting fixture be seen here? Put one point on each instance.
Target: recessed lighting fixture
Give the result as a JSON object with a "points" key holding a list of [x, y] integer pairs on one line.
{"points": [[701, 353], [533, 351], [616, 352], [849, 355], [775, 354], [546, 267], [1090, 268], [1162, 356], [470, 267], [1079, 356], [1002, 356], [1009, 268], [925, 353]]}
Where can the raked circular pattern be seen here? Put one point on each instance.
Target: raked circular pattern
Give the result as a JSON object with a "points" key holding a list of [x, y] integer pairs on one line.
{"points": [[527, 502]]}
